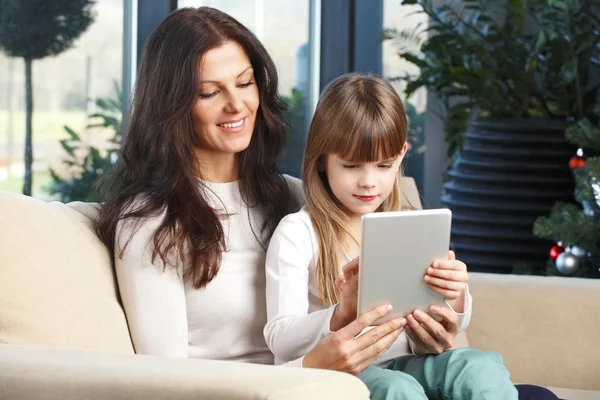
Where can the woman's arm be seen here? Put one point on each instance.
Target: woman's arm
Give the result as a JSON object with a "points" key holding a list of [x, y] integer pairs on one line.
{"points": [[153, 299]]}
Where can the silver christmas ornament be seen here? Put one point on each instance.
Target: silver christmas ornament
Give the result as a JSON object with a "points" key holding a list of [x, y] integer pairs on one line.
{"points": [[578, 251], [567, 263], [596, 188]]}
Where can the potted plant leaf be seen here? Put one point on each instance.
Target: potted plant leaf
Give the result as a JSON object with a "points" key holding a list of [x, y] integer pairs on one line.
{"points": [[511, 75]]}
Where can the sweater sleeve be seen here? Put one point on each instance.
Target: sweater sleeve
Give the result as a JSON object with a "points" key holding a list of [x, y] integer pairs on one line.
{"points": [[153, 299], [291, 331]]}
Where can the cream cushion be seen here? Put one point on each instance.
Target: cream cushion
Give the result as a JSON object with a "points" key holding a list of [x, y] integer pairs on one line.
{"points": [[57, 287], [546, 328]]}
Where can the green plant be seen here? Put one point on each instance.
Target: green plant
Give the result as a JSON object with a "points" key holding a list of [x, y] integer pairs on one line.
{"points": [[85, 163], [35, 29], [515, 59], [295, 116], [416, 131]]}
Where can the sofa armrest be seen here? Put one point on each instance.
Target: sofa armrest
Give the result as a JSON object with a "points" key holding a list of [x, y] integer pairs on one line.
{"points": [[53, 374]]}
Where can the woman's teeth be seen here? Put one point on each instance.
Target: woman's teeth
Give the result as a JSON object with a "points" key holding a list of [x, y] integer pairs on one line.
{"points": [[232, 125]]}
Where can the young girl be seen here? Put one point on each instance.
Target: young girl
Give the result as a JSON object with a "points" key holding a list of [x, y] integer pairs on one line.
{"points": [[354, 150]]}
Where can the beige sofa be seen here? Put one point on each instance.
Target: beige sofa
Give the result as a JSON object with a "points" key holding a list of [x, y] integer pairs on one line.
{"points": [[63, 333]]}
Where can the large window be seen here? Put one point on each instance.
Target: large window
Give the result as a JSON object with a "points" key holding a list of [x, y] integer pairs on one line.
{"points": [[283, 27], [65, 88], [403, 18]]}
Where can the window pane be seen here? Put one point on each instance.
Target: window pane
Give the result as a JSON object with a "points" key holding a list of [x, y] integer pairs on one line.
{"points": [[282, 26], [65, 88], [404, 18]]}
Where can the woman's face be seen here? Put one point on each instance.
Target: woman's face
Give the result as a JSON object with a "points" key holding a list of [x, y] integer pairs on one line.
{"points": [[224, 114]]}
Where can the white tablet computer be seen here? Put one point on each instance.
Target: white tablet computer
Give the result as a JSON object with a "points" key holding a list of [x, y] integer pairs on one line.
{"points": [[396, 250]]}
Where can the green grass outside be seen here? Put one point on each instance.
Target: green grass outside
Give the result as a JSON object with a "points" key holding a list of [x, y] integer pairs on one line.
{"points": [[46, 124], [14, 184]]}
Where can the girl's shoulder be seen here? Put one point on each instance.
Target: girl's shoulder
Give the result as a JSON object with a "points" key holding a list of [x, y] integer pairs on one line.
{"points": [[297, 226], [294, 233]]}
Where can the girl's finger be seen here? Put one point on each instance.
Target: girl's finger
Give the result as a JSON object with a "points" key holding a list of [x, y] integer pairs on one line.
{"points": [[450, 264], [351, 268], [414, 338], [430, 328], [451, 255], [419, 331], [449, 316], [448, 294], [339, 282], [444, 283], [458, 276]]}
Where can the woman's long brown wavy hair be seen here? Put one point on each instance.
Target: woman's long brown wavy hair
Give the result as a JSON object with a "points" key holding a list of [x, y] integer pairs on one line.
{"points": [[157, 164], [360, 118]]}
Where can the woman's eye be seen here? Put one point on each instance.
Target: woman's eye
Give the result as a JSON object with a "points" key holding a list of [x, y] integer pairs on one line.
{"points": [[207, 95], [245, 85]]}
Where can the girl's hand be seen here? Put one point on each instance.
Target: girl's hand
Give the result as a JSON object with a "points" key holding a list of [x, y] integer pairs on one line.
{"points": [[347, 283], [430, 336], [343, 351], [449, 278]]}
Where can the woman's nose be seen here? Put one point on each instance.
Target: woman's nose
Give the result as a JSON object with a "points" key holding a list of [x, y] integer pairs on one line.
{"points": [[234, 104]]}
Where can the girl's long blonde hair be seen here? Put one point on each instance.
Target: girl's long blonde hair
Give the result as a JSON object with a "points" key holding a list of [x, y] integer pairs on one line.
{"points": [[360, 118]]}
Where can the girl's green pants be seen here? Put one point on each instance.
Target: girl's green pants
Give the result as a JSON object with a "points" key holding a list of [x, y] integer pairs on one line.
{"points": [[461, 374]]}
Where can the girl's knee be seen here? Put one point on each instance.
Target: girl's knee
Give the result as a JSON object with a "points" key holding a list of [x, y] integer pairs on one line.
{"points": [[389, 385], [478, 364], [477, 358]]}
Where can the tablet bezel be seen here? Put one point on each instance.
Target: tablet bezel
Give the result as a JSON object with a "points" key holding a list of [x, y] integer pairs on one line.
{"points": [[388, 243]]}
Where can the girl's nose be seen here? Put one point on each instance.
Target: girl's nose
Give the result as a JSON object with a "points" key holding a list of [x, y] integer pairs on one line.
{"points": [[367, 180]]}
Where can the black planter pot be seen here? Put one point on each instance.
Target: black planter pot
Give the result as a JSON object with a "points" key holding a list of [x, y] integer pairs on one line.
{"points": [[510, 173]]}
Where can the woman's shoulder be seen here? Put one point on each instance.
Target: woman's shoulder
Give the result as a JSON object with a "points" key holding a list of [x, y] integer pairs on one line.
{"points": [[129, 224], [296, 191]]}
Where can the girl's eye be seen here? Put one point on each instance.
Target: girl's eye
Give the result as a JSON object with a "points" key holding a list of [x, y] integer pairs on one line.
{"points": [[207, 95], [350, 166], [385, 166], [247, 84]]}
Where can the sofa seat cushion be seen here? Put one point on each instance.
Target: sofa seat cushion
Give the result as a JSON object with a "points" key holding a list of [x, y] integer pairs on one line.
{"points": [[575, 394], [57, 283]]}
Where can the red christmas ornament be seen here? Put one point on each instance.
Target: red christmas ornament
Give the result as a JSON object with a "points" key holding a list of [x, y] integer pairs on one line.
{"points": [[555, 251], [577, 161]]}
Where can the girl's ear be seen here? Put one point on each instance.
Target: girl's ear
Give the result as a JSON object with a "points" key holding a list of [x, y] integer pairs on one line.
{"points": [[401, 156], [321, 164]]}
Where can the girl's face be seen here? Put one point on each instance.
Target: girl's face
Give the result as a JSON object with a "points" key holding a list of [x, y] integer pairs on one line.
{"points": [[223, 117], [362, 187]]}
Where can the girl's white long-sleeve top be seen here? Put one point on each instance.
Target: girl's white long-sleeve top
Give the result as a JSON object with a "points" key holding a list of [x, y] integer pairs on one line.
{"points": [[222, 321], [296, 317]]}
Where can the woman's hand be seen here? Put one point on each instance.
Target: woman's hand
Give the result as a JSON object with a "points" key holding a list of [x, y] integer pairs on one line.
{"points": [[343, 351], [449, 278], [430, 336], [347, 284]]}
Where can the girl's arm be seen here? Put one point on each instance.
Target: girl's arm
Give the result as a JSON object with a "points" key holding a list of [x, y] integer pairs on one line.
{"points": [[153, 299], [291, 331]]}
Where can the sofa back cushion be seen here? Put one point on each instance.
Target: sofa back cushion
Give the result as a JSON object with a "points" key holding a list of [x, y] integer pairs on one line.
{"points": [[57, 283], [546, 328]]}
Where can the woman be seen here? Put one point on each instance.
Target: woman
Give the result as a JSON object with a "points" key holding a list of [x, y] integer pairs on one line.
{"points": [[196, 196]]}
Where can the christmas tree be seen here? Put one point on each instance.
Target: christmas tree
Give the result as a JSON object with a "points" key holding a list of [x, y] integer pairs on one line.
{"points": [[576, 228]]}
